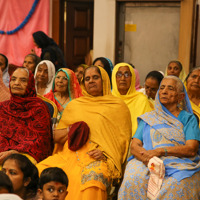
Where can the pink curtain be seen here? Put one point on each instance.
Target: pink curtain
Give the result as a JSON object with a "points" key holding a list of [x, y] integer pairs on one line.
{"points": [[12, 14]]}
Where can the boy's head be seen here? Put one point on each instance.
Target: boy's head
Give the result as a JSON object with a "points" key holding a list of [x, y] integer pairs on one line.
{"points": [[5, 184], [53, 184]]}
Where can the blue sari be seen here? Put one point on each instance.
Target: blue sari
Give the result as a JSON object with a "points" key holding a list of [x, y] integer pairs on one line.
{"points": [[157, 129]]}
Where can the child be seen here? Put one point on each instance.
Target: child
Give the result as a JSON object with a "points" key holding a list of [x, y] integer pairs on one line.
{"points": [[5, 184], [53, 184]]}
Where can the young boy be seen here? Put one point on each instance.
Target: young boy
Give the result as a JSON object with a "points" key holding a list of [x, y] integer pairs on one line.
{"points": [[53, 184]]}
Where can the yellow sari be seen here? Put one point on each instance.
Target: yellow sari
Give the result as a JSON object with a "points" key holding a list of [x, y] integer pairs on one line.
{"points": [[137, 102], [110, 131], [196, 110]]}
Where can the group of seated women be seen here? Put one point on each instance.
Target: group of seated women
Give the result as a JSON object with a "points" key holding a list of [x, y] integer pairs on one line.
{"points": [[95, 124]]}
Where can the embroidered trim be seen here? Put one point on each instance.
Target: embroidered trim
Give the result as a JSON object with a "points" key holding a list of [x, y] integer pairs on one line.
{"points": [[94, 176]]}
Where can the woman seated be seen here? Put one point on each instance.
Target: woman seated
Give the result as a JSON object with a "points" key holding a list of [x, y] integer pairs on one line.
{"points": [[44, 74], [175, 68], [79, 71], [23, 175], [65, 88], [193, 90], [25, 125], [171, 133], [151, 85], [5, 93], [92, 167], [4, 69], [105, 63], [31, 61], [123, 81]]}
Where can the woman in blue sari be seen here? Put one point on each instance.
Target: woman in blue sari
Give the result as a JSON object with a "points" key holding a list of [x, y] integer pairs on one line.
{"points": [[171, 133]]}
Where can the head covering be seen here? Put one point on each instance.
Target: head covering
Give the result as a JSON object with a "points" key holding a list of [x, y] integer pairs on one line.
{"points": [[109, 121], [163, 129], [106, 83], [182, 74], [137, 81], [74, 89], [136, 101], [51, 74], [25, 124], [108, 66], [195, 108]]}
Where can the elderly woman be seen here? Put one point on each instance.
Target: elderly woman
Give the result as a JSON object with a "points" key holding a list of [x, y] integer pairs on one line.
{"points": [[193, 90], [31, 61], [93, 165], [123, 81], [175, 68], [170, 133], [65, 88], [25, 120], [44, 74]]}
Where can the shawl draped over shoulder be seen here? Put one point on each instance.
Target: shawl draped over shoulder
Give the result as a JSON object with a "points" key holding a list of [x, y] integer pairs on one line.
{"points": [[109, 121], [25, 124], [74, 89], [136, 101]]}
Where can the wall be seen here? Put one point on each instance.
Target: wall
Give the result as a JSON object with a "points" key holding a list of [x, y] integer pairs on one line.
{"points": [[198, 40], [104, 29], [156, 39]]}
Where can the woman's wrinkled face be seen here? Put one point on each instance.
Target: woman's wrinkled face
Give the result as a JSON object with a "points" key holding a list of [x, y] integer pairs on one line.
{"points": [[19, 82], [2, 63], [79, 73], [123, 79], [99, 63], [93, 82], [168, 93], [61, 82], [151, 87], [173, 69], [15, 174], [42, 74], [193, 81], [29, 63]]}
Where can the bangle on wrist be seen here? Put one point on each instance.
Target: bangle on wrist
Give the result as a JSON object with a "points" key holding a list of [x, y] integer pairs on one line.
{"points": [[165, 151]]}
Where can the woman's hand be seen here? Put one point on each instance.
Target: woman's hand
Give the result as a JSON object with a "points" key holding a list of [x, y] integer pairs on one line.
{"points": [[148, 154], [97, 154], [5, 154]]}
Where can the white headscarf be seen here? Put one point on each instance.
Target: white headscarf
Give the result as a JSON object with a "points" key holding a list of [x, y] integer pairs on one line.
{"points": [[51, 74]]}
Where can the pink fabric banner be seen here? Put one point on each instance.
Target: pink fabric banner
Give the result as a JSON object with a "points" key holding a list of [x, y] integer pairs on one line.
{"points": [[12, 14]]}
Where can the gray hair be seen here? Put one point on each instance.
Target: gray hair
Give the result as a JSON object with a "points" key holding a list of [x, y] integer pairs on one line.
{"points": [[179, 83]]}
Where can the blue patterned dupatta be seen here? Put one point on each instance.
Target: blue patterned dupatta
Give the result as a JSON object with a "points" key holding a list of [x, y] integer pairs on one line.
{"points": [[162, 129]]}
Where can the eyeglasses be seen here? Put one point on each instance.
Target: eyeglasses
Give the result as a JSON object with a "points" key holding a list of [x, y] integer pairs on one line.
{"points": [[125, 74]]}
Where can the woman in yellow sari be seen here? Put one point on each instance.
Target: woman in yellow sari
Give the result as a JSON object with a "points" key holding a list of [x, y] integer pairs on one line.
{"points": [[175, 68], [193, 90], [91, 168], [123, 82]]}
